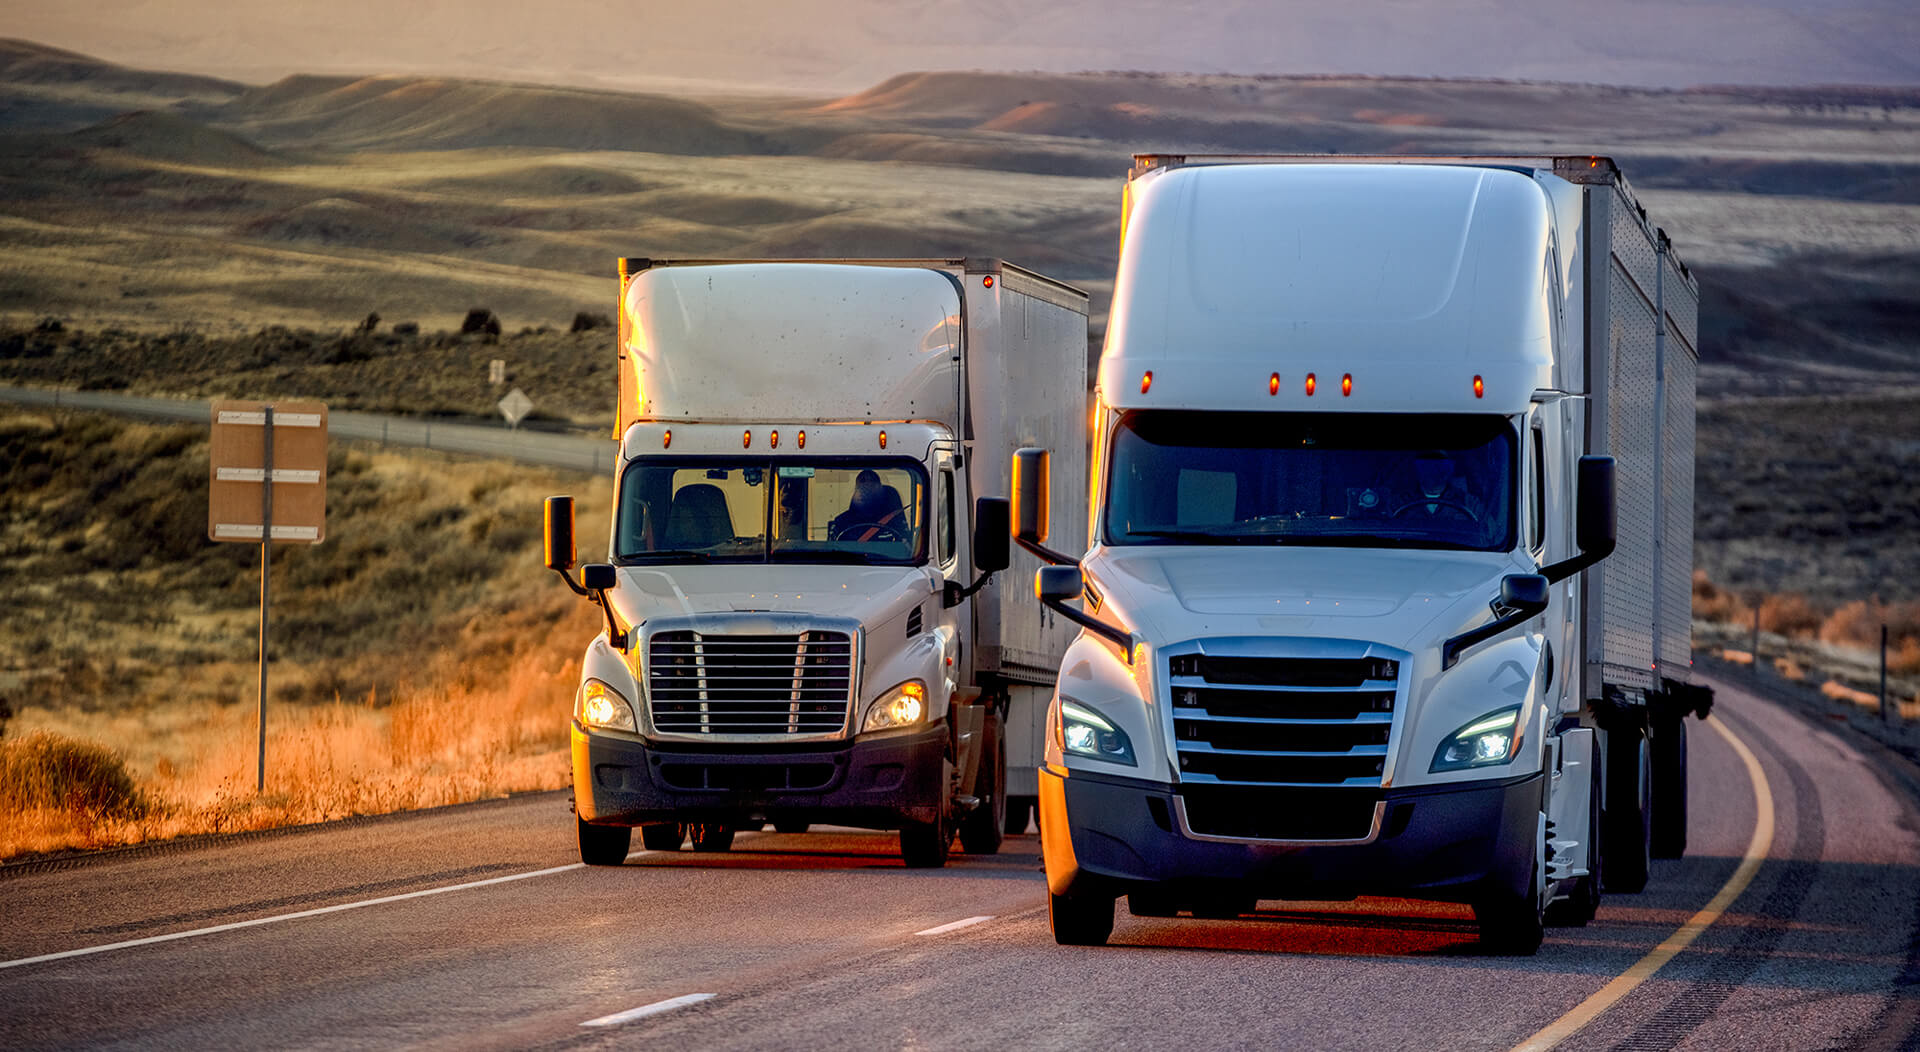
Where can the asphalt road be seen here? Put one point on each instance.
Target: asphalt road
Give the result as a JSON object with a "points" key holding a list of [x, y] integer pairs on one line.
{"points": [[823, 939], [533, 447]]}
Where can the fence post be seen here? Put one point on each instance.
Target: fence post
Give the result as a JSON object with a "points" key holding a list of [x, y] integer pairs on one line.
{"points": [[1886, 711], [1755, 648]]}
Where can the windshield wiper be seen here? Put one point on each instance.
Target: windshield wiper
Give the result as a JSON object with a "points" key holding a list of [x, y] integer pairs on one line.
{"points": [[818, 555], [1202, 536], [668, 555]]}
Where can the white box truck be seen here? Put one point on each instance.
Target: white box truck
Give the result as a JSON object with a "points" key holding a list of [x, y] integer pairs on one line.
{"points": [[1360, 615], [809, 507]]}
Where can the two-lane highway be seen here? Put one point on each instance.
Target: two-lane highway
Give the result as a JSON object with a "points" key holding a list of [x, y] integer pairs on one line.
{"points": [[475, 926]]}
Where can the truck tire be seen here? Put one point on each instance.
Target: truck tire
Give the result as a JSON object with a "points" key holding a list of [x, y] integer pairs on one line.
{"points": [[1080, 920], [926, 845], [1511, 926], [1020, 811], [981, 831], [1627, 828], [603, 845], [1579, 907], [663, 836], [711, 836], [1668, 751]]}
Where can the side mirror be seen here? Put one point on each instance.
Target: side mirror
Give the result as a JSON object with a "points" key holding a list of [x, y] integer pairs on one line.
{"points": [[1058, 584], [1596, 529], [1031, 483], [560, 550], [991, 528], [597, 577], [1519, 591]]}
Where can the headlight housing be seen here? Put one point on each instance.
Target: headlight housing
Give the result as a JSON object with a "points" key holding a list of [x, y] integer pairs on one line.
{"points": [[902, 706], [1491, 739], [1084, 732], [599, 705]]}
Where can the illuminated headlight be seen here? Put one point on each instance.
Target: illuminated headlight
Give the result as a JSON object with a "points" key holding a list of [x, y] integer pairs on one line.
{"points": [[903, 706], [1084, 732], [598, 705], [1491, 739]]}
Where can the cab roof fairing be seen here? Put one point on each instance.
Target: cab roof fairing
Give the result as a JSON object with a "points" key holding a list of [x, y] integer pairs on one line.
{"points": [[1413, 278]]}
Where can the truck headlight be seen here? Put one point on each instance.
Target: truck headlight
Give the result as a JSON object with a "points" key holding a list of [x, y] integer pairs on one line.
{"points": [[1084, 732], [1491, 739], [598, 705], [902, 706]]}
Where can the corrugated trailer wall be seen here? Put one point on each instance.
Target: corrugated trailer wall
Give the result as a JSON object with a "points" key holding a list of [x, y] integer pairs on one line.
{"points": [[1680, 359], [1623, 373]]}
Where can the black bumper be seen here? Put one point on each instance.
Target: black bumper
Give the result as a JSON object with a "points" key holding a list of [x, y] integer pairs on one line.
{"points": [[1447, 844], [880, 783]]}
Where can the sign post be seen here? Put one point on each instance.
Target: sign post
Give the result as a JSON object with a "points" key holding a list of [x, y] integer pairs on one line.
{"points": [[255, 450]]}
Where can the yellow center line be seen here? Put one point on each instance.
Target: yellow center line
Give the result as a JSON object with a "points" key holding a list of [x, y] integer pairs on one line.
{"points": [[1607, 996]]}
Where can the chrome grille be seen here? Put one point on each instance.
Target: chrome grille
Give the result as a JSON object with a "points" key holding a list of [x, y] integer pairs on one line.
{"points": [[1322, 721], [789, 684]]}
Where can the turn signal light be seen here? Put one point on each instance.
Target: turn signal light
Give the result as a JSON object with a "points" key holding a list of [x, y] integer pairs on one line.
{"points": [[1310, 385]]}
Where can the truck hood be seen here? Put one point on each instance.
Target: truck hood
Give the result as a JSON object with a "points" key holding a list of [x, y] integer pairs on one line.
{"points": [[871, 595], [1384, 596]]}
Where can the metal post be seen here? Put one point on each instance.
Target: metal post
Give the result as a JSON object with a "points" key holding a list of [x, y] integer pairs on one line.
{"points": [[1755, 650], [266, 578], [1886, 711]]}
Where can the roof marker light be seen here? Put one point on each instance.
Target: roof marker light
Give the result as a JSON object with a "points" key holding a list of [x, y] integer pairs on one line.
{"points": [[883, 440], [802, 440], [773, 440], [1479, 388], [1310, 385], [666, 439], [746, 439], [1146, 381], [1273, 384], [1346, 386]]}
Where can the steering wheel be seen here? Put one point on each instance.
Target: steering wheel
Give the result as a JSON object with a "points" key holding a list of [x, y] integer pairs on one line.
{"points": [[857, 531], [1438, 503]]}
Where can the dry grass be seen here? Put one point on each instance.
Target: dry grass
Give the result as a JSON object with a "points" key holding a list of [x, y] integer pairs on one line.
{"points": [[421, 656], [1804, 639]]}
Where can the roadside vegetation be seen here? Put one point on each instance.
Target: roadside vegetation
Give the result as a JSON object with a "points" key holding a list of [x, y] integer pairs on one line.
{"points": [[419, 656]]}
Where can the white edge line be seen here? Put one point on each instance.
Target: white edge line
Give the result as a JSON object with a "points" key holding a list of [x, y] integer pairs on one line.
{"points": [[258, 921], [655, 1008], [956, 925]]}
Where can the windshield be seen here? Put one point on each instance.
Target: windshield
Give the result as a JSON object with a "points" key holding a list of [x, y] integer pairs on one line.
{"points": [[1348, 480], [840, 510]]}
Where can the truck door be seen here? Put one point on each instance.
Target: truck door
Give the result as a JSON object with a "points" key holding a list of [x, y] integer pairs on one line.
{"points": [[1550, 517], [949, 530]]}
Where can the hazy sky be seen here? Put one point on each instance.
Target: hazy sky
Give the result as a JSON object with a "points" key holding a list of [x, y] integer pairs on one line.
{"points": [[844, 45]]}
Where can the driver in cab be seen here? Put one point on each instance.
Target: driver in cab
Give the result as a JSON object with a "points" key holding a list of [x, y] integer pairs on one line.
{"points": [[1443, 495], [874, 512]]}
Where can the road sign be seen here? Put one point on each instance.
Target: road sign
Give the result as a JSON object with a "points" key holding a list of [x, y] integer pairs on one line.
{"points": [[497, 372], [236, 504], [515, 406]]}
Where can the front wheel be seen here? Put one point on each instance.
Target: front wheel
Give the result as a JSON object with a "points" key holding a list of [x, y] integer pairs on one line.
{"points": [[1511, 926], [926, 845], [603, 845], [1080, 920], [664, 836]]}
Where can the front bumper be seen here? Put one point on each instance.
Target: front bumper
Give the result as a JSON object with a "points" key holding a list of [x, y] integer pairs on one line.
{"points": [[879, 783], [1447, 843]]}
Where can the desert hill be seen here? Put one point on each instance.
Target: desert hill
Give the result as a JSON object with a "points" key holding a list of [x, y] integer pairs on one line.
{"points": [[45, 87]]}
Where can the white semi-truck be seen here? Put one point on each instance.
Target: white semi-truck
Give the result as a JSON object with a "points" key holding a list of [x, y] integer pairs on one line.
{"points": [[1391, 544], [802, 619]]}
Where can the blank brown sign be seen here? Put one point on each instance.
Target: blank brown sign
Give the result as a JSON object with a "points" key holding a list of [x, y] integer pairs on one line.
{"points": [[299, 471]]}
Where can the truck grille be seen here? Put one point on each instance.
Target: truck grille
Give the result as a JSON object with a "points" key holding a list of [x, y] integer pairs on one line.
{"points": [[1282, 721], [798, 684], [1261, 813]]}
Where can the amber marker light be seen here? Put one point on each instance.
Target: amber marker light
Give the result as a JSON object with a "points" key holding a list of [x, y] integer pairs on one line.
{"points": [[1273, 384], [883, 440], [1146, 381], [802, 440], [1346, 386], [986, 282], [1479, 388], [773, 440], [1310, 385], [666, 439], [746, 439]]}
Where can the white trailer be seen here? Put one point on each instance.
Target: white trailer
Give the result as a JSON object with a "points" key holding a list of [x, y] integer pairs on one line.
{"points": [[1387, 590], [803, 622]]}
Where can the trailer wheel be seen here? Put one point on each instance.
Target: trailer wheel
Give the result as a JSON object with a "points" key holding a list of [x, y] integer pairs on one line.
{"points": [[1080, 920], [1020, 811], [711, 837], [663, 836], [981, 831], [1577, 909], [1628, 827], [926, 845], [1668, 751], [603, 845]]}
